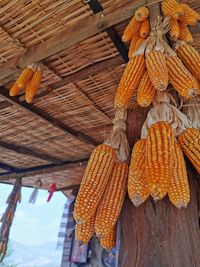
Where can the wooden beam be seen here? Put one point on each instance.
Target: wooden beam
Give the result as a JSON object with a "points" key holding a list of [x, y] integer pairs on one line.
{"points": [[68, 37], [7, 167], [28, 152], [45, 169], [46, 118]]}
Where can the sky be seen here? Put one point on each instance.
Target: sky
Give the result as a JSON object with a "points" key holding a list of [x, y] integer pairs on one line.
{"points": [[37, 223]]}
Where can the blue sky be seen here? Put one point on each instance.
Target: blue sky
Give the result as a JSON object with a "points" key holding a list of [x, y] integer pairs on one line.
{"points": [[38, 223]]}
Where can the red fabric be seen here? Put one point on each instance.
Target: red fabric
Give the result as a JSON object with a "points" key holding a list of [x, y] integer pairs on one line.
{"points": [[52, 189]]}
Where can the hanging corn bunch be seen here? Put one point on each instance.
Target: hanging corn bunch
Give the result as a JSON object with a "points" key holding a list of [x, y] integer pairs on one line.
{"points": [[8, 217]]}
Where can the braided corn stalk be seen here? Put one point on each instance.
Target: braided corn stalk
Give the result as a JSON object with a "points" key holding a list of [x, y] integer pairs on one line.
{"points": [[174, 31], [181, 79], [129, 81], [189, 17], [33, 85], [159, 157], [145, 29], [133, 44], [25, 77], [85, 231], [112, 200], [189, 142], [157, 69], [146, 91], [94, 182], [172, 9], [141, 13], [132, 28], [179, 191], [137, 189], [185, 34], [190, 57], [108, 241]]}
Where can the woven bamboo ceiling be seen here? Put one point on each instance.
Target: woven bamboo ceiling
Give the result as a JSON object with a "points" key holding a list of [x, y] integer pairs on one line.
{"points": [[78, 44]]}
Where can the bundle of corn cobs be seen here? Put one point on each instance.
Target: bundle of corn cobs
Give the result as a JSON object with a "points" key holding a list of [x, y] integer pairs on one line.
{"points": [[157, 167], [29, 80]]}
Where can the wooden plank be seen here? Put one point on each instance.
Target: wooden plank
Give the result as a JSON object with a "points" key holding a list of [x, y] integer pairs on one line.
{"points": [[69, 37], [38, 114], [29, 152]]}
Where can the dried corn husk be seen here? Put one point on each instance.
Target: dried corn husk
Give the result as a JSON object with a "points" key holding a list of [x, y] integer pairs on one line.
{"points": [[191, 109]]}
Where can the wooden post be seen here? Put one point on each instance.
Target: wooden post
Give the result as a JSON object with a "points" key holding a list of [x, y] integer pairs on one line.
{"points": [[159, 235]]}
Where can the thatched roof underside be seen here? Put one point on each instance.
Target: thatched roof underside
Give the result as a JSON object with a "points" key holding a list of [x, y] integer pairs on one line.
{"points": [[53, 137]]}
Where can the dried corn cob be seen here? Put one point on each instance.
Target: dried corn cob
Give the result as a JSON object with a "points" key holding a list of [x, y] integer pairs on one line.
{"points": [[185, 34], [94, 182], [25, 77], [159, 157], [109, 241], [132, 28], [190, 17], [174, 31], [15, 89], [133, 47], [112, 200], [85, 231], [190, 57], [133, 44], [33, 85], [172, 9], [141, 13], [129, 81], [181, 79], [145, 29], [189, 142], [179, 191], [137, 190], [157, 70], [146, 91]]}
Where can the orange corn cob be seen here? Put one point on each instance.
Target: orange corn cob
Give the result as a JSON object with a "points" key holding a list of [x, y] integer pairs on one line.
{"points": [[129, 81], [159, 158], [190, 17], [33, 85], [141, 13], [185, 34], [15, 89], [181, 79], [157, 70], [189, 142], [146, 91], [109, 241], [111, 203], [145, 29], [132, 28], [179, 191], [133, 47], [174, 31], [94, 182], [137, 190], [133, 44], [85, 231], [25, 77], [172, 9], [190, 57]]}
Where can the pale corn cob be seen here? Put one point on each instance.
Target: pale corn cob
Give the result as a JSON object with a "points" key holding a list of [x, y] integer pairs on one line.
{"points": [[159, 158], [109, 241], [132, 28], [157, 70], [141, 13], [181, 79], [15, 89], [85, 231], [146, 91], [33, 85], [145, 29], [179, 191], [129, 81], [172, 9], [25, 77], [185, 34], [94, 182], [189, 142], [189, 17], [111, 203], [190, 57], [174, 31], [133, 44], [137, 190]]}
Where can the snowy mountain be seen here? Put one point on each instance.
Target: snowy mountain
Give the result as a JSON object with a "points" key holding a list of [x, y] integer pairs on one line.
{"points": [[44, 255]]}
